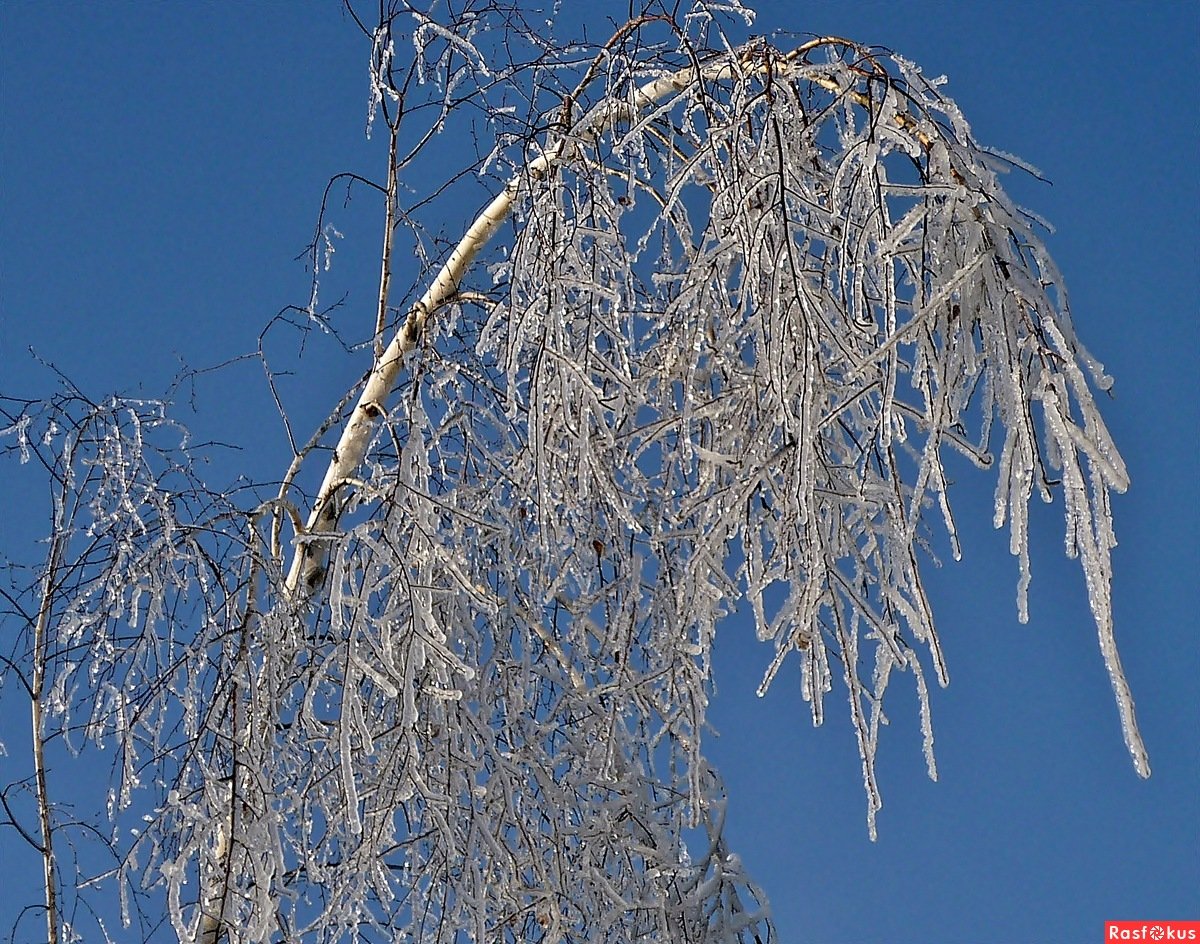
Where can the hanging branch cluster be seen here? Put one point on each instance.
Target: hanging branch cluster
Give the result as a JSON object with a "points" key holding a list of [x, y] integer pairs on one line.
{"points": [[752, 300]]}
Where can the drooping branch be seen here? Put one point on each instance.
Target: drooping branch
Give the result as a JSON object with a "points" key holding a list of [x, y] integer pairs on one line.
{"points": [[828, 242]]}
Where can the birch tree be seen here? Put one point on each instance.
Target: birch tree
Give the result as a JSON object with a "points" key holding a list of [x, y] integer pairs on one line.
{"points": [[704, 351]]}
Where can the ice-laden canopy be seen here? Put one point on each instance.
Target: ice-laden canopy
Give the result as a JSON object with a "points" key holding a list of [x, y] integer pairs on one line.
{"points": [[751, 300]]}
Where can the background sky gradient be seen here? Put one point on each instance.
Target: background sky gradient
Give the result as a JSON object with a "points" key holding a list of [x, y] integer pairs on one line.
{"points": [[162, 168]]}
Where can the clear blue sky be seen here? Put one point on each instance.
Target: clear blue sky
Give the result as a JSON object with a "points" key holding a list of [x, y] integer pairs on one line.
{"points": [[162, 168]]}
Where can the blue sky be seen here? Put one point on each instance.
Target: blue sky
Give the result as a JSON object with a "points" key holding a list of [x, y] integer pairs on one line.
{"points": [[162, 168]]}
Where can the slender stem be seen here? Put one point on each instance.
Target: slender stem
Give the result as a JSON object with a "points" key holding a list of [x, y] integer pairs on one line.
{"points": [[217, 888], [43, 804], [389, 229], [40, 647]]}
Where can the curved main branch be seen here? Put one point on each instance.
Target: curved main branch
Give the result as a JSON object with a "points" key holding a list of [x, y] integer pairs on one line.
{"points": [[311, 554]]}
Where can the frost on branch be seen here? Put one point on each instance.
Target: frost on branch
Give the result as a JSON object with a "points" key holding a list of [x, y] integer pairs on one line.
{"points": [[748, 304], [749, 307], [739, 333]]}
